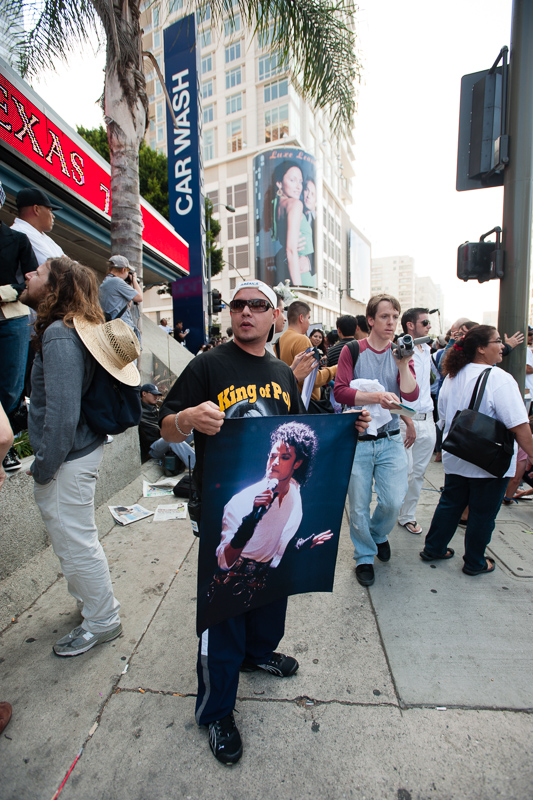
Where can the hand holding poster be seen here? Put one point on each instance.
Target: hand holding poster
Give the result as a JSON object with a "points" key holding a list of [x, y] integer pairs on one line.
{"points": [[273, 499]]}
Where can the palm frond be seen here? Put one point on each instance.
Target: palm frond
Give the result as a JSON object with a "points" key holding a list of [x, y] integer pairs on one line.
{"points": [[51, 30], [316, 38]]}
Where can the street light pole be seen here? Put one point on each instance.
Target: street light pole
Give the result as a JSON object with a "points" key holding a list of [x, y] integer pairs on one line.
{"points": [[208, 247]]}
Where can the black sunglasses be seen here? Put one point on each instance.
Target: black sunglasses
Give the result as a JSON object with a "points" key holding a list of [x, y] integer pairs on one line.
{"points": [[425, 322], [256, 305]]}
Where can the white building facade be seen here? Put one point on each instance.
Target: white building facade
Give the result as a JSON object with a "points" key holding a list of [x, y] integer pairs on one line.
{"points": [[249, 107]]}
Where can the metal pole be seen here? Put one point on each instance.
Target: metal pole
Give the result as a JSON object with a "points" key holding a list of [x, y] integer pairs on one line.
{"points": [[518, 189], [209, 299]]}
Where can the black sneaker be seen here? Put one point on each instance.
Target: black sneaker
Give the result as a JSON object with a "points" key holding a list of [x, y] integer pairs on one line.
{"points": [[365, 574], [11, 461], [225, 740], [384, 551], [278, 664]]}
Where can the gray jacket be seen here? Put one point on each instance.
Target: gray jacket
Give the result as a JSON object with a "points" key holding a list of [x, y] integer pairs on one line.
{"points": [[60, 376]]}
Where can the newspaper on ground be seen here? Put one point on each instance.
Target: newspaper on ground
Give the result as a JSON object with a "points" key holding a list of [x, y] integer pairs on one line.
{"points": [[174, 511], [124, 515], [161, 487]]}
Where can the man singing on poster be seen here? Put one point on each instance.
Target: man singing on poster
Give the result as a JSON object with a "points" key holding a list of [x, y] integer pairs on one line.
{"points": [[260, 521]]}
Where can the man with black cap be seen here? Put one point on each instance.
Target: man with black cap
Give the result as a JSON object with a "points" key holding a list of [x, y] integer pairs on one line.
{"points": [[116, 294], [149, 434], [35, 218], [236, 379], [16, 260]]}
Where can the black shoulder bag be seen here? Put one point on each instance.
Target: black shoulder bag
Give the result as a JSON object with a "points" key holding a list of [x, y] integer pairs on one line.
{"points": [[478, 438]]}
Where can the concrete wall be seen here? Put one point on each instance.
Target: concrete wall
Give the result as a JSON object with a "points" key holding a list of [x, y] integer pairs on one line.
{"points": [[27, 563]]}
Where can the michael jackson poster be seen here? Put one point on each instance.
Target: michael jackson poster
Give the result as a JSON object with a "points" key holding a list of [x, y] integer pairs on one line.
{"points": [[274, 490]]}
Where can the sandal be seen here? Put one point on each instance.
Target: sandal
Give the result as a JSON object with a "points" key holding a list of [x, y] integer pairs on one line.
{"points": [[490, 566], [426, 557], [412, 527], [463, 523]]}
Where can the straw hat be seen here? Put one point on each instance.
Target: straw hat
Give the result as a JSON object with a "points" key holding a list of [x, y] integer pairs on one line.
{"points": [[114, 345]]}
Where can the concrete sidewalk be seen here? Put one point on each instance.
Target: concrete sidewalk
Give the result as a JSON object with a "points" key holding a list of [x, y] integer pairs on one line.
{"points": [[420, 687]]}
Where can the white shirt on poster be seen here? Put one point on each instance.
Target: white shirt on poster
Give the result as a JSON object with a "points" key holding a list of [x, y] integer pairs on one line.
{"points": [[43, 246], [501, 400], [272, 533]]}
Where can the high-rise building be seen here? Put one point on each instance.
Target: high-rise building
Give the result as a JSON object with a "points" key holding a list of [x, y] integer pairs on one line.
{"points": [[250, 107], [430, 295], [394, 275]]}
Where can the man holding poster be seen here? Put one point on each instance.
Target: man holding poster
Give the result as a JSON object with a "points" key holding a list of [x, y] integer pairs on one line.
{"points": [[237, 379]]}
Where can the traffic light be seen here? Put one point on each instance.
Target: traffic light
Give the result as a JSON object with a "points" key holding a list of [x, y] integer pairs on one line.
{"points": [[483, 145], [216, 301], [481, 261]]}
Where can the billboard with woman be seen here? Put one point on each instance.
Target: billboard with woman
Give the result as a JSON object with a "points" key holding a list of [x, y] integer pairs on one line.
{"points": [[285, 212]]}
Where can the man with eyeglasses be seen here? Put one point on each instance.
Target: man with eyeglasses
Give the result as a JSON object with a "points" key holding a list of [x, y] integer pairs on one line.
{"points": [[237, 379], [419, 433]]}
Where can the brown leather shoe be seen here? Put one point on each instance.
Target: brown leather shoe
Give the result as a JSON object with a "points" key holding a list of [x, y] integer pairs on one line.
{"points": [[5, 715]]}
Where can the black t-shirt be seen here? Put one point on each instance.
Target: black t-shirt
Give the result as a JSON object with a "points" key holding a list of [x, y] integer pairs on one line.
{"points": [[240, 384]]}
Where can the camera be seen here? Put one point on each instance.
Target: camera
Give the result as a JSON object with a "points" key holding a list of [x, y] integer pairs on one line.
{"points": [[405, 345]]}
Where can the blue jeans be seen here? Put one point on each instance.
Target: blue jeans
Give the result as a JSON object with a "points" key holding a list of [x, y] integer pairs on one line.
{"points": [[384, 462], [483, 496], [14, 341], [181, 449]]}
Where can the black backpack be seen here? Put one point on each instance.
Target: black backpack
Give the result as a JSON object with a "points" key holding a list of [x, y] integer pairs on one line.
{"points": [[110, 406]]}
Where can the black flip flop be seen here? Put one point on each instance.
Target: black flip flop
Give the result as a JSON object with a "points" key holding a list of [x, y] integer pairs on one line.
{"points": [[426, 557], [485, 571]]}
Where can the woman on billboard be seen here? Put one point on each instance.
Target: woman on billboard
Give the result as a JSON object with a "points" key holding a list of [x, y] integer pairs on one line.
{"points": [[291, 227]]}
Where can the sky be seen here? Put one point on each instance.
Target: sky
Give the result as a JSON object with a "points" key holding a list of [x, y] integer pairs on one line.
{"points": [[413, 53]]}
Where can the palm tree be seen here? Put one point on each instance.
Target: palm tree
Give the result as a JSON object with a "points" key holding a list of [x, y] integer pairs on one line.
{"points": [[315, 36]]}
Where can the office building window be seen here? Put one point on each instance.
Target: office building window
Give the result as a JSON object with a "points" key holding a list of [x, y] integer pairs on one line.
{"points": [[275, 90], [207, 63], [276, 123], [209, 145], [160, 133], [269, 66], [209, 113], [157, 40], [175, 5], [233, 52], [232, 26], [232, 284], [265, 39], [205, 38], [159, 112], [241, 225], [234, 135], [237, 195], [203, 14], [207, 89], [234, 103], [213, 196], [241, 256], [155, 16], [233, 77]]}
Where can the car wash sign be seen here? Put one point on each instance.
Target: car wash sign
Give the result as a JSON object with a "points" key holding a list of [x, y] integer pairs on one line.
{"points": [[185, 173]]}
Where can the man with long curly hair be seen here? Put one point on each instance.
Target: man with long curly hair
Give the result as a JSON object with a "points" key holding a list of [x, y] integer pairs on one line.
{"points": [[67, 452]]}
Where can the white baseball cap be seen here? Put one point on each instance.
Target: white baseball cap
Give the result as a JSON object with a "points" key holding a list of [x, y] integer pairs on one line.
{"points": [[261, 287]]}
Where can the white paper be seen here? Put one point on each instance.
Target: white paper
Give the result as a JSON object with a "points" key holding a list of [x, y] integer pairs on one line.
{"points": [[174, 511]]}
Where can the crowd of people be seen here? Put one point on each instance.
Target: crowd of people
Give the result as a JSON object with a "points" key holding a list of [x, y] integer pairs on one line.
{"points": [[404, 397]]}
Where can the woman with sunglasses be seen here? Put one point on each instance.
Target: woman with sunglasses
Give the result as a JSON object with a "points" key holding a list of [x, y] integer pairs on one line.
{"points": [[465, 483]]}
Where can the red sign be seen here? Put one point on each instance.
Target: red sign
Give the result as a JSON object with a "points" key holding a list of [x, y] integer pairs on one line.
{"points": [[26, 129]]}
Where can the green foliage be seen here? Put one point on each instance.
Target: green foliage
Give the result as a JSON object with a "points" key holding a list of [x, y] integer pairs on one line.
{"points": [[22, 445], [217, 260], [153, 170]]}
